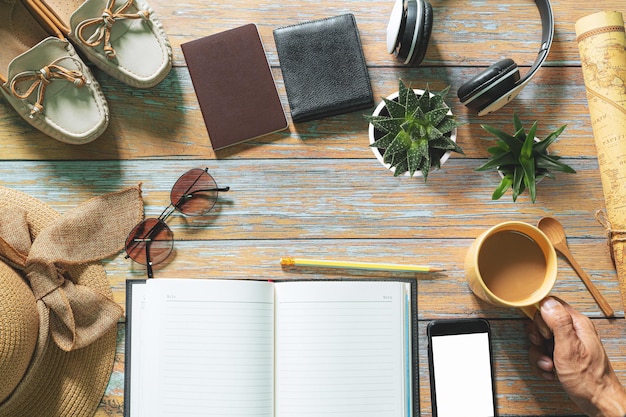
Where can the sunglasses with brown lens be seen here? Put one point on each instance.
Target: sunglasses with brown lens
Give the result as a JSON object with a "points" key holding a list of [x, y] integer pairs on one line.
{"points": [[152, 241]]}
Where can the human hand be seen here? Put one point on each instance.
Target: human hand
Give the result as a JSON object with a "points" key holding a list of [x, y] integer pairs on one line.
{"points": [[578, 360]]}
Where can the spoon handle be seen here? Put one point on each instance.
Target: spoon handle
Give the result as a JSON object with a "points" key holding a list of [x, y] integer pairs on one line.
{"points": [[602, 302]]}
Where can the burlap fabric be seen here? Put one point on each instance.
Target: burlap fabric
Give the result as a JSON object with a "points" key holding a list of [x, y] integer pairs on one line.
{"points": [[57, 318]]}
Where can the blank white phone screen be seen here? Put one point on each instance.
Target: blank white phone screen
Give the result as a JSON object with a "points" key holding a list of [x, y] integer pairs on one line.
{"points": [[462, 373]]}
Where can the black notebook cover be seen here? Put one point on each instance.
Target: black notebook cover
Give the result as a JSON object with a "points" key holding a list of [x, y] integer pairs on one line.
{"points": [[323, 68], [234, 85]]}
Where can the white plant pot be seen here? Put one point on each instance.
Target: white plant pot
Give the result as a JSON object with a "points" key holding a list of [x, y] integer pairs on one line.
{"points": [[379, 108]]}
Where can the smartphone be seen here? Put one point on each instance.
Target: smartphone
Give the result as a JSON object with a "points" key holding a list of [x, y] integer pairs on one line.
{"points": [[461, 368]]}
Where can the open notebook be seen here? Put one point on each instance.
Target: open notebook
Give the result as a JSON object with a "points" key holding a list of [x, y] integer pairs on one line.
{"points": [[197, 347]]}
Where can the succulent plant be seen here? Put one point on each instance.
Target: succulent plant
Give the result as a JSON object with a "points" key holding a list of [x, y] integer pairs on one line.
{"points": [[522, 160], [416, 130]]}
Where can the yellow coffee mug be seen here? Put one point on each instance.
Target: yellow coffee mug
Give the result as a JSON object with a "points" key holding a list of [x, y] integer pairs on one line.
{"points": [[513, 264]]}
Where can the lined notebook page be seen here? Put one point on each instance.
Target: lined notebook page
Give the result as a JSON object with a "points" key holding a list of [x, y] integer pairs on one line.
{"points": [[340, 349], [209, 349]]}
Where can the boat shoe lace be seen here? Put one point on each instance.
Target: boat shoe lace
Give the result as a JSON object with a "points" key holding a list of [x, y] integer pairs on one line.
{"points": [[104, 23], [40, 79]]}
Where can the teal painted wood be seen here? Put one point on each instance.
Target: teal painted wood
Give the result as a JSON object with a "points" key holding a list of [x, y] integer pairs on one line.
{"points": [[441, 295], [165, 122], [324, 198]]}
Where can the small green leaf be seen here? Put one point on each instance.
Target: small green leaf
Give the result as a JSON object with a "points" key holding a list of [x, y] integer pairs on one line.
{"points": [[442, 94], [386, 124], [437, 100], [389, 158], [432, 134], [505, 184], [400, 144], [550, 162], [528, 165], [436, 116], [414, 157], [497, 161], [424, 101], [518, 182], [417, 115], [435, 158], [542, 146], [505, 137], [426, 161], [383, 142], [443, 142], [497, 150], [519, 128], [447, 125], [425, 169], [458, 149], [401, 166], [402, 93], [527, 148], [514, 144], [395, 109], [412, 102]]}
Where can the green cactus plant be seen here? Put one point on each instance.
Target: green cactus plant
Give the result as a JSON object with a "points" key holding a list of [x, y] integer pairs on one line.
{"points": [[522, 160], [416, 130]]}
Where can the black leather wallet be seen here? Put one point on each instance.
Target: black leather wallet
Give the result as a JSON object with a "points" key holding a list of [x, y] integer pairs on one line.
{"points": [[323, 68]]}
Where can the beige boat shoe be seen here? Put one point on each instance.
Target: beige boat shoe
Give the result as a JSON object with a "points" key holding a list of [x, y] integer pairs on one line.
{"points": [[123, 38], [46, 81]]}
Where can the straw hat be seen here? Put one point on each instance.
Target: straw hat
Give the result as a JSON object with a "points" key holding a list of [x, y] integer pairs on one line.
{"points": [[57, 318]]}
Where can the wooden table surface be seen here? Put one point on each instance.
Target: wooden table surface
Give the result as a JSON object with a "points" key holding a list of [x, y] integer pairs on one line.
{"points": [[317, 190]]}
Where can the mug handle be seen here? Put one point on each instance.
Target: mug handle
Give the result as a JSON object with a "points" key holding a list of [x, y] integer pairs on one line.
{"points": [[530, 310]]}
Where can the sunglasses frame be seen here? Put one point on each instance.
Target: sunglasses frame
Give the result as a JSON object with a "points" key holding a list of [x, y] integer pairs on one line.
{"points": [[138, 237]]}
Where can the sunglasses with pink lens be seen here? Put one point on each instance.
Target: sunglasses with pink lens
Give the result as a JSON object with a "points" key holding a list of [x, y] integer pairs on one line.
{"points": [[152, 241]]}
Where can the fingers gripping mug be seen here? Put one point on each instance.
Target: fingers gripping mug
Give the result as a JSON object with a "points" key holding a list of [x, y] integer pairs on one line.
{"points": [[513, 264]]}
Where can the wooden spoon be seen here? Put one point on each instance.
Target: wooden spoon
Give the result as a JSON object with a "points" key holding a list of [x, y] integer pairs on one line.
{"points": [[555, 232]]}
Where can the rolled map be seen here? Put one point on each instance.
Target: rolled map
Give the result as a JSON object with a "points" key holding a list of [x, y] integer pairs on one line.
{"points": [[602, 46]]}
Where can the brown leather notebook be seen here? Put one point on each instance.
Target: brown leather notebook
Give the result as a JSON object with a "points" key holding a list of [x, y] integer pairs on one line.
{"points": [[234, 85]]}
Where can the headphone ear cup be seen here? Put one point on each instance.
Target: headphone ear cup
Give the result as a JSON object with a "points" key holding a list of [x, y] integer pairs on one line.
{"points": [[489, 85], [424, 35], [411, 24]]}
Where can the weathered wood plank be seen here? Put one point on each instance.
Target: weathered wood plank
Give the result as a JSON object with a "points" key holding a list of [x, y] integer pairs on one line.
{"points": [[475, 33], [441, 295], [356, 209], [165, 122], [324, 198]]}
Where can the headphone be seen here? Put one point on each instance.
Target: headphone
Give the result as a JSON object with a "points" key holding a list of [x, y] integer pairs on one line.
{"points": [[408, 33]]}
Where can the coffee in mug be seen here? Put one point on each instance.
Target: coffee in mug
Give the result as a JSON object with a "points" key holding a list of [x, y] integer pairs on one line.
{"points": [[513, 264]]}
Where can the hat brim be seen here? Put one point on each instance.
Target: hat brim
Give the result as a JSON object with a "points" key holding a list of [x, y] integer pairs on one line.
{"points": [[59, 383]]}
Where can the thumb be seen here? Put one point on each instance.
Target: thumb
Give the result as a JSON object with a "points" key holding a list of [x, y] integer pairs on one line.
{"points": [[559, 320]]}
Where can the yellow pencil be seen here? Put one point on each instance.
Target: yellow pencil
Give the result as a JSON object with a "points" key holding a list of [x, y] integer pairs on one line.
{"points": [[371, 266]]}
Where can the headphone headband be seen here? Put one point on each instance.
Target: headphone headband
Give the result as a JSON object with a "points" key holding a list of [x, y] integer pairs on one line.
{"points": [[408, 33], [547, 34]]}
